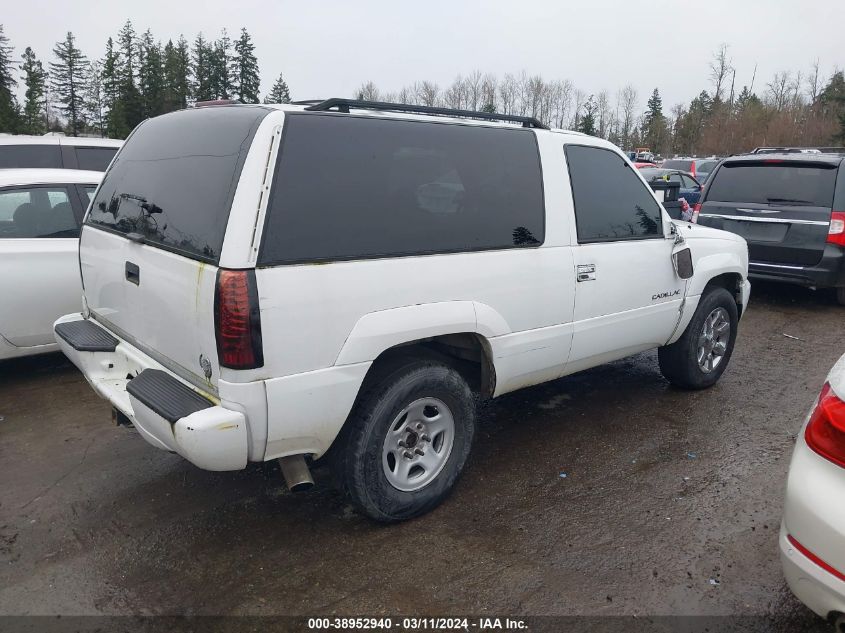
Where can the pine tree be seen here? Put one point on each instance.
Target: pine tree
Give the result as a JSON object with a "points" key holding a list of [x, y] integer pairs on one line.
{"points": [[176, 68], [247, 80], [9, 115], [654, 123], [115, 117], [222, 67], [202, 68], [34, 77], [151, 77], [130, 100], [94, 99], [67, 81], [279, 93], [587, 122]]}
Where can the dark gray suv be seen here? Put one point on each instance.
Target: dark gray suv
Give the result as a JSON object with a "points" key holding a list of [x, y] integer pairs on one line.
{"points": [[790, 208]]}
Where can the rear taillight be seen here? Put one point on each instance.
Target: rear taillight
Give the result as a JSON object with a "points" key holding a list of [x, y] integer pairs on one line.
{"points": [[695, 211], [825, 432], [237, 320], [836, 232]]}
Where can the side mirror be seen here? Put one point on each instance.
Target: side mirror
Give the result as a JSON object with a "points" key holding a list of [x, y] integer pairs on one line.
{"points": [[682, 262]]}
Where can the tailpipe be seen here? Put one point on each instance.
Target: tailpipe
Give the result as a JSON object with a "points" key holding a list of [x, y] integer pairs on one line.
{"points": [[297, 475]]}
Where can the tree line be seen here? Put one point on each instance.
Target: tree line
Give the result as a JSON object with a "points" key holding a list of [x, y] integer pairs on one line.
{"points": [[137, 77], [793, 108]]}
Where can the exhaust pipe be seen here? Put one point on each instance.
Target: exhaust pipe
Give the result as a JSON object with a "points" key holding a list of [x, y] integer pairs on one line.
{"points": [[296, 472]]}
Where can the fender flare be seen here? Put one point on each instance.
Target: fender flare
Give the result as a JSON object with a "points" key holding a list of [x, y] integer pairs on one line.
{"points": [[377, 332]]}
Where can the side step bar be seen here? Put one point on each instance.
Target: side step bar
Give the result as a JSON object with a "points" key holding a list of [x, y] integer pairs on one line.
{"points": [[84, 336], [166, 396]]}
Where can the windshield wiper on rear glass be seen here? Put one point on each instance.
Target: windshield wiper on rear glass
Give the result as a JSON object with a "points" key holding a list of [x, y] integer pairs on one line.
{"points": [[142, 202], [788, 201]]}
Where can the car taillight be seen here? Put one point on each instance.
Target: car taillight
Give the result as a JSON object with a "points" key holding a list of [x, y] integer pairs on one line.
{"points": [[695, 211], [825, 432], [237, 320], [836, 232]]}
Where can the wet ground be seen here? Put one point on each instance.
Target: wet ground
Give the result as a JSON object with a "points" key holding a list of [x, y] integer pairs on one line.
{"points": [[670, 503]]}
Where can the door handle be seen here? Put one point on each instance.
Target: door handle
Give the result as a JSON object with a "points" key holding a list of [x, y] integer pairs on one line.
{"points": [[133, 273], [585, 272]]}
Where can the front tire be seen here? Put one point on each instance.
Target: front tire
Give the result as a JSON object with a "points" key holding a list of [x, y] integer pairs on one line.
{"points": [[406, 442], [698, 359]]}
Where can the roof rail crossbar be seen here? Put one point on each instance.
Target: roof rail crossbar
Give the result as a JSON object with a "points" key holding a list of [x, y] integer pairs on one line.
{"points": [[344, 105]]}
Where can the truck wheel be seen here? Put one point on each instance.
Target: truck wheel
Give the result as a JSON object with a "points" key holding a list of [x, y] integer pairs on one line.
{"points": [[406, 442], [698, 358]]}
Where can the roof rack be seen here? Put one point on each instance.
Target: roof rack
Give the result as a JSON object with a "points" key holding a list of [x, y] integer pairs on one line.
{"points": [[798, 150], [344, 105]]}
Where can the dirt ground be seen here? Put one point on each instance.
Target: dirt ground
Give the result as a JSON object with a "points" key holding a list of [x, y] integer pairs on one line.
{"points": [[670, 503]]}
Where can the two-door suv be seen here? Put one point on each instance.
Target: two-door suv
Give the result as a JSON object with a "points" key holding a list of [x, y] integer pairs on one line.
{"points": [[266, 282]]}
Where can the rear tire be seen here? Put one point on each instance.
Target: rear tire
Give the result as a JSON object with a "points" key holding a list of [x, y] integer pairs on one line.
{"points": [[406, 442], [698, 359], [840, 296]]}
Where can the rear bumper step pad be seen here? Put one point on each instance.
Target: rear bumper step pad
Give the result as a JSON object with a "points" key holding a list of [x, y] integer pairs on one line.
{"points": [[165, 395], [84, 336]]}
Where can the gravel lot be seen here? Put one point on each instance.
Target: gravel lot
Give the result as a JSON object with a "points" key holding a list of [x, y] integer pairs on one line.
{"points": [[670, 503]]}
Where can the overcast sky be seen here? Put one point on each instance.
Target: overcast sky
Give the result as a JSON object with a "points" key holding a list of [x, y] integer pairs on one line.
{"points": [[329, 47]]}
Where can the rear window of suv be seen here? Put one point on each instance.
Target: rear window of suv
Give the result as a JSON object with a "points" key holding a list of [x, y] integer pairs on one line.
{"points": [[360, 187], [683, 165], [174, 179], [775, 182]]}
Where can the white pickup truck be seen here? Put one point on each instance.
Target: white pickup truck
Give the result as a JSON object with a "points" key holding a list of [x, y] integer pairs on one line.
{"points": [[338, 279]]}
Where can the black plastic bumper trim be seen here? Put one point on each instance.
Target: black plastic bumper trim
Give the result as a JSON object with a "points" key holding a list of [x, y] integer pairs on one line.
{"points": [[84, 336], [165, 395]]}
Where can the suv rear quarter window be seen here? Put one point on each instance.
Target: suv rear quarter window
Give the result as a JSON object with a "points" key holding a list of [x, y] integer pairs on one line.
{"points": [[351, 187]]}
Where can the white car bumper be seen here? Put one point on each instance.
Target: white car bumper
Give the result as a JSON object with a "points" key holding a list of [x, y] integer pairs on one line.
{"points": [[215, 437], [814, 515]]}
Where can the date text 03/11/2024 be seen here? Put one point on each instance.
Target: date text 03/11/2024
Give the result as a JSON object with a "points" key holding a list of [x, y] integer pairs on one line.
{"points": [[418, 624]]}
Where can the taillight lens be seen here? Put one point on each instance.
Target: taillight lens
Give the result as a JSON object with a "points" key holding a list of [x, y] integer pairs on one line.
{"points": [[237, 320], [695, 211], [836, 232], [825, 432]]}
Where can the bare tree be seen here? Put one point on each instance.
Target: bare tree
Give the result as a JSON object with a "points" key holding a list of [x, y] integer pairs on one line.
{"points": [[368, 92], [508, 94], [814, 82], [627, 99], [720, 69], [489, 86], [455, 95], [603, 114], [778, 89], [429, 93], [473, 85]]}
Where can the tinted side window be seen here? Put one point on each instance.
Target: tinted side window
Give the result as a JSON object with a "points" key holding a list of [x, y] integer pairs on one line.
{"points": [[41, 156], [356, 187], [28, 212], [94, 158], [611, 203]]}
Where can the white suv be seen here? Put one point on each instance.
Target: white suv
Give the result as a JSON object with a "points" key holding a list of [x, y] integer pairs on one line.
{"points": [[267, 282]]}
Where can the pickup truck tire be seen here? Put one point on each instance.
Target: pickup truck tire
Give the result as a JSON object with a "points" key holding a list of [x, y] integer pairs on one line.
{"points": [[698, 359], [406, 441]]}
